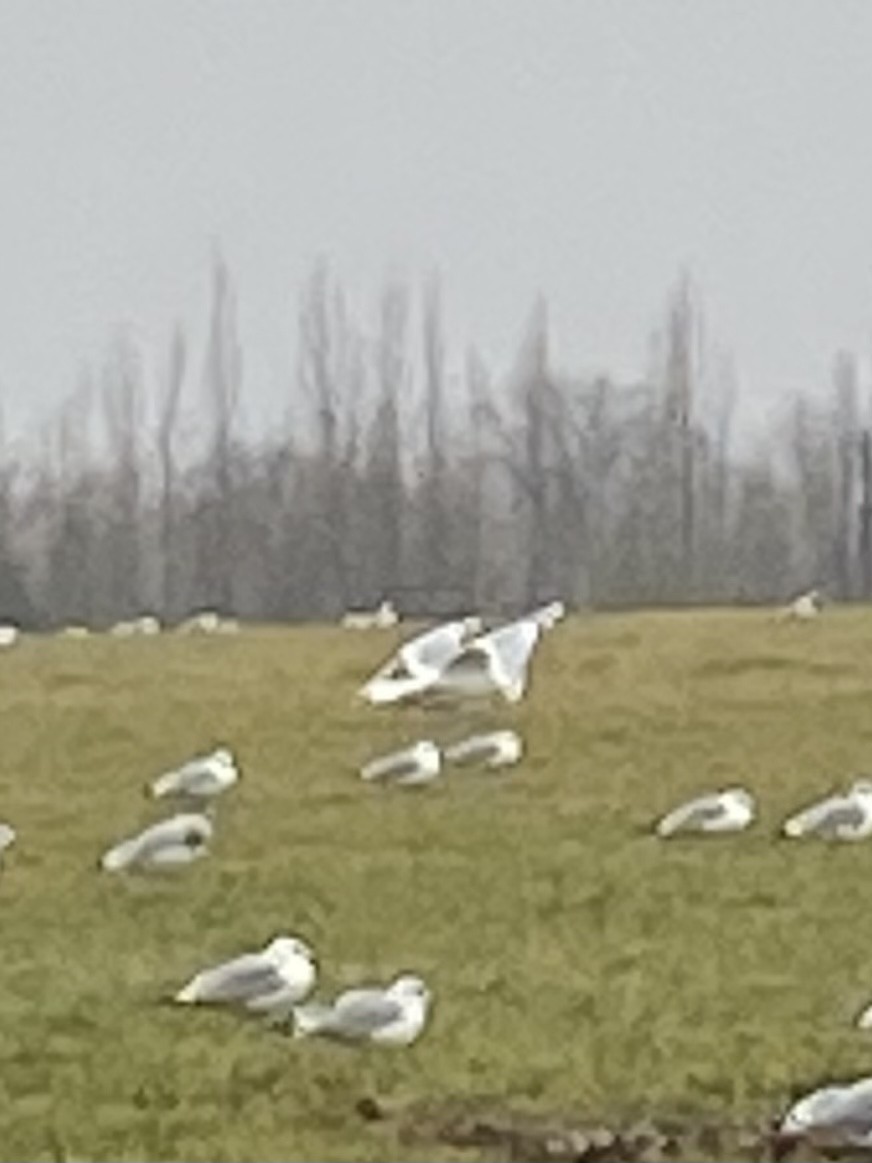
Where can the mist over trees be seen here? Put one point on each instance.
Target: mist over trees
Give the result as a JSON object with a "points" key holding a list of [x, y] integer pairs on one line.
{"points": [[407, 475]]}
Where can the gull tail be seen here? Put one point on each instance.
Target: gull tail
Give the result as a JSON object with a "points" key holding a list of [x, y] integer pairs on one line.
{"points": [[310, 1019], [670, 824], [190, 994], [121, 856], [164, 785]]}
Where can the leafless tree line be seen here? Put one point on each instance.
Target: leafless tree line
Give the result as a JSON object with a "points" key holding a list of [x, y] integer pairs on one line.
{"points": [[396, 477]]}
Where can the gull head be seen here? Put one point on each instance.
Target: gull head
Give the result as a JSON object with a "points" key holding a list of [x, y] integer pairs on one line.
{"points": [[198, 831], [295, 962], [224, 756], [286, 950], [739, 796], [862, 787], [427, 752], [408, 987]]}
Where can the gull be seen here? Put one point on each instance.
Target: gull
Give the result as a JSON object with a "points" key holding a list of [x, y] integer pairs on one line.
{"points": [[203, 776], [9, 634], [730, 810], [379, 619], [418, 764], [840, 817], [393, 1016], [864, 1021], [7, 837], [496, 749], [803, 608], [496, 662], [836, 1115], [271, 981], [74, 631], [419, 662], [178, 840]]}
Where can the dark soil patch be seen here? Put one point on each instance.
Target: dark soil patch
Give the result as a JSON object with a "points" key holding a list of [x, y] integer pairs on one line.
{"points": [[503, 1136]]}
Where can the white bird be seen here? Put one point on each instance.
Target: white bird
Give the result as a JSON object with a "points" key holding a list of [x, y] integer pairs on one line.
{"points": [[496, 749], [394, 1016], [418, 764], [803, 608], [840, 817], [146, 624], [203, 776], [7, 837], [837, 1115], [730, 810], [8, 634], [419, 661], [271, 981], [379, 619], [178, 840], [494, 662], [74, 631], [548, 616]]}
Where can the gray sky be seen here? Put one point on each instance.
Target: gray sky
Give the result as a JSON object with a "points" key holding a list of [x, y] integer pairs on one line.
{"points": [[582, 149]]}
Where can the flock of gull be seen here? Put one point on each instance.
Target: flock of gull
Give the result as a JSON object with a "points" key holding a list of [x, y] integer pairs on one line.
{"points": [[845, 815], [454, 661]]}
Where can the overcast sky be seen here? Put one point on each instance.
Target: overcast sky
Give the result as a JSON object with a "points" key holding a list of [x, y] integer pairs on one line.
{"points": [[584, 149]]}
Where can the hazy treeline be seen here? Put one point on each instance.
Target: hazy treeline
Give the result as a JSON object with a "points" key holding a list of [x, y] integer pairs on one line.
{"points": [[444, 490]]}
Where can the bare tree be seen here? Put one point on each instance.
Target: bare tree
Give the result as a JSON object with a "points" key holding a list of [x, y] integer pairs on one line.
{"points": [[385, 460], [679, 401], [326, 351], [72, 591], [846, 434], [122, 407], [167, 422], [216, 517], [434, 517]]}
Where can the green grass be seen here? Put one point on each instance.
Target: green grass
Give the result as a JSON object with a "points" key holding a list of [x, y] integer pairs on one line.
{"points": [[578, 964]]}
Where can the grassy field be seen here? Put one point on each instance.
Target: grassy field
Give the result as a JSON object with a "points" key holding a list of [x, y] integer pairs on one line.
{"points": [[579, 965]]}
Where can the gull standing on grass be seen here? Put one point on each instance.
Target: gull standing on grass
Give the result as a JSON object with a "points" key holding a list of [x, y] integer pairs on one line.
{"points": [[412, 766], [179, 840], [271, 981], [731, 810], [395, 1016], [847, 816], [202, 777]]}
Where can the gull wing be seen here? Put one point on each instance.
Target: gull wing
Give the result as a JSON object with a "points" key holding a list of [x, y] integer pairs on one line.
{"points": [[242, 979], [361, 1012], [432, 651], [398, 763], [694, 814], [499, 658]]}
